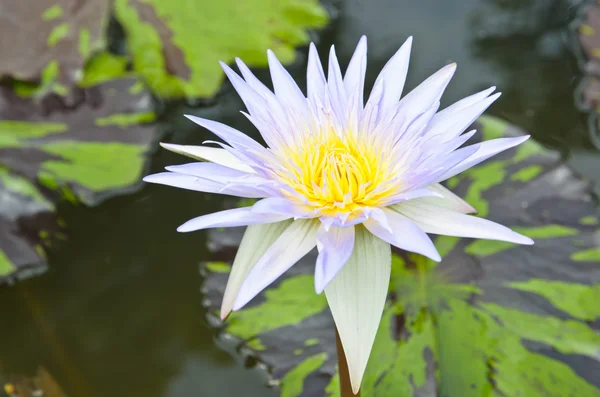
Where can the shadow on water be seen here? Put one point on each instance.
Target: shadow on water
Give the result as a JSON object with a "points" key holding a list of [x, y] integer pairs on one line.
{"points": [[119, 312]]}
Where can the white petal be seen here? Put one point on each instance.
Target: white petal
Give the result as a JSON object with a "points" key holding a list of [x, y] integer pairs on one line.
{"points": [[460, 120], [197, 184], [230, 135], [295, 242], [280, 205], [447, 200], [427, 93], [354, 79], [230, 218], [252, 81], [286, 89], [215, 155], [315, 77], [208, 170], [356, 297], [446, 114], [405, 234], [485, 150], [436, 220], [394, 74], [335, 247], [257, 239]]}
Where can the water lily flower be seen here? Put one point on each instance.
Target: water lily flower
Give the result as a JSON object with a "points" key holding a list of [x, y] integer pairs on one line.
{"points": [[347, 177]]}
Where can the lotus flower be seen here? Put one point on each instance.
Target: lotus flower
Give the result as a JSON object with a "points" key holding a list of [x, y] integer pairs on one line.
{"points": [[343, 176]]}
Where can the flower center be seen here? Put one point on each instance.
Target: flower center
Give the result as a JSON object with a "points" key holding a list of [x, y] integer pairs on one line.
{"points": [[337, 175]]}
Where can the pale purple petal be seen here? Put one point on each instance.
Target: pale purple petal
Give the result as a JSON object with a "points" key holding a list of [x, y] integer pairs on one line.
{"points": [[210, 171], [448, 200], [354, 79], [335, 84], [190, 182], [437, 220], [434, 171], [448, 113], [405, 235], [230, 135], [252, 81], [460, 121], [230, 218], [335, 247], [315, 77], [206, 153], [295, 242], [410, 195], [284, 206], [485, 150], [427, 93], [286, 89], [393, 76]]}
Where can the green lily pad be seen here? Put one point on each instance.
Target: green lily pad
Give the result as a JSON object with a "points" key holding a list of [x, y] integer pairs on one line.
{"points": [[51, 151], [177, 45], [491, 319], [50, 36]]}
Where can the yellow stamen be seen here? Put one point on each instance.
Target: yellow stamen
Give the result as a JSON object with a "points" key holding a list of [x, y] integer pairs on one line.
{"points": [[338, 174]]}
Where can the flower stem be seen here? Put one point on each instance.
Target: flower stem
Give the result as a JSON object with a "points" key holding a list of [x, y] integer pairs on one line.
{"points": [[345, 386]]}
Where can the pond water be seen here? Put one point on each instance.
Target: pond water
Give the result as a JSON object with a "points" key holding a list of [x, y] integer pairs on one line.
{"points": [[119, 312]]}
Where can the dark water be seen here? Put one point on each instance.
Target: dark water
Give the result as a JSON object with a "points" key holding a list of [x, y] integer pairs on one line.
{"points": [[119, 313]]}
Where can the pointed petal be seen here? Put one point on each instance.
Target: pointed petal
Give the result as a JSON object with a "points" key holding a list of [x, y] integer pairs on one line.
{"points": [[447, 113], [215, 155], [485, 150], [252, 81], [335, 247], [230, 135], [394, 74], [280, 205], [335, 83], [230, 218], [436, 220], [411, 195], [356, 297], [447, 200], [286, 89], [460, 120], [212, 171], [257, 239], [315, 76], [405, 234], [190, 182], [354, 79], [427, 93], [295, 242]]}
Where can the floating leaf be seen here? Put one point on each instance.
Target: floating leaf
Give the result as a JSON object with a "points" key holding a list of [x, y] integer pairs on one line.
{"points": [[177, 45], [490, 319], [55, 34], [49, 150]]}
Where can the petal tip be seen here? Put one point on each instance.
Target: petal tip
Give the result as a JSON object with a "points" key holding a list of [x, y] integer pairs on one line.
{"points": [[224, 314]]}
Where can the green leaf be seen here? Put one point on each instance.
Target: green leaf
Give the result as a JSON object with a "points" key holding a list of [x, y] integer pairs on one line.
{"points": [[177, 48], [579, 300]]}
